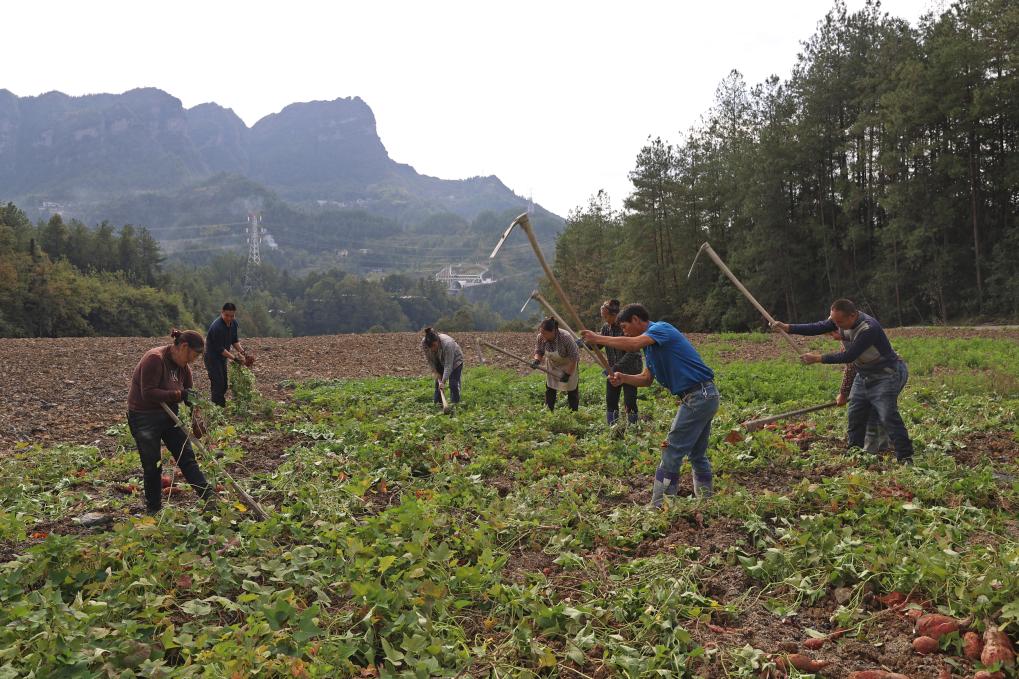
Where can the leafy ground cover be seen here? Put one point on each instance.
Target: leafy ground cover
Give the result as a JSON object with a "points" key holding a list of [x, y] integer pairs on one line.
{"points": [[507, 541]]}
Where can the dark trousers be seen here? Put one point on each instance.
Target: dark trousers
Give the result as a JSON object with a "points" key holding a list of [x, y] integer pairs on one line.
{"points": [[217, 379], [612, 401], [454, 385], [878, 395], [149, 430], [572, 397]]}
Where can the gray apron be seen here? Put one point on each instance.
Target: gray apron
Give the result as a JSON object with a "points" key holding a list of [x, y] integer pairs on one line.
{"points": [[557, 364]]}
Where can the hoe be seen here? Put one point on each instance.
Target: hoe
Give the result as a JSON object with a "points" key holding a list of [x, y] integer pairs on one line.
{"points": [[209, 459], [524, 222]]}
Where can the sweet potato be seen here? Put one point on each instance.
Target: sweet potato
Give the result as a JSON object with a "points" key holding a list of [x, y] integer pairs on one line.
{"points": [[892, 599], [925, 645], [813, 643], [944, 628], [997, 648], [972, 646], [927, 624], [876, 674], [801, 662]]}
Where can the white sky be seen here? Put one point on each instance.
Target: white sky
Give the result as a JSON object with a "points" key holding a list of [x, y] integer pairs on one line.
{"points": [[554, 97]]}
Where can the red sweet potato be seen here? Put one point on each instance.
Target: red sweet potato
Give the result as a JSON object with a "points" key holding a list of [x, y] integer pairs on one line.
{"points": [[801, 662], [813, 643], [997, 648], [972, 646], [892, 599], [944, 628], [925, 645], [876, 674], [927, 624]]}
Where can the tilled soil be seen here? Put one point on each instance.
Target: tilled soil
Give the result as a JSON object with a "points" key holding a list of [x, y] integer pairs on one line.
{"points": [[72, 389]]}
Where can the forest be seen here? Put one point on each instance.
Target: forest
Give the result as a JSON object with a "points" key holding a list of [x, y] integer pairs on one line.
{"points": [[64, 279], [884, 169]]}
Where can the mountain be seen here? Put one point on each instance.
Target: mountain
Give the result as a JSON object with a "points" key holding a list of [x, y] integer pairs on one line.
{"points": [[82, 153]]}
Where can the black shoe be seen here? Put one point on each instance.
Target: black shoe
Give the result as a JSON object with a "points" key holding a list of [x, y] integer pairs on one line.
{"points": [[906, 461], [151, 510]]}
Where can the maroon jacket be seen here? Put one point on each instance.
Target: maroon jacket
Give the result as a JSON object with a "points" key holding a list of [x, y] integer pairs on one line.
{"points": [[157, 379]]}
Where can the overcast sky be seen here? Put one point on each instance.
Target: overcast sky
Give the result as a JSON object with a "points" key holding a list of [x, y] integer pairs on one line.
{"points": [[556, 98]]}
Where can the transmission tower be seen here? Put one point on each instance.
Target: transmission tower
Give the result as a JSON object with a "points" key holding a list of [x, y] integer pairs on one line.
{"points": [[251, 278]]}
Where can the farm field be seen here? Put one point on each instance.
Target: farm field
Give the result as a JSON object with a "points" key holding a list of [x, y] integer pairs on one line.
{"points": [[504, 540]]}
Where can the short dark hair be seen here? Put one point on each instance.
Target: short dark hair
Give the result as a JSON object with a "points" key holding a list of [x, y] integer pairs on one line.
{"points": [[844, 306], [189, 337], [631, 310], [229, 306], [550, 324], [611, 305], [431, 337]]}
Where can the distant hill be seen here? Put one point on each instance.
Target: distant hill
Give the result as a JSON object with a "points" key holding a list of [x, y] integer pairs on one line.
{"points": [[329, 194], [98, 156]]}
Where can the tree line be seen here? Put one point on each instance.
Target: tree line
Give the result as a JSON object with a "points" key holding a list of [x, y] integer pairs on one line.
{"points": [[884, 169], [62, 279]]}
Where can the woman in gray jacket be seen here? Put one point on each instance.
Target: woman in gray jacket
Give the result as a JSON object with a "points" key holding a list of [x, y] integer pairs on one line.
{"points": [[446, 359]]}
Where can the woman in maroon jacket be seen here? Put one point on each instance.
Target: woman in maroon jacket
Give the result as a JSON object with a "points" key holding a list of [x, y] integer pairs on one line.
{"points": [[164, 376]]}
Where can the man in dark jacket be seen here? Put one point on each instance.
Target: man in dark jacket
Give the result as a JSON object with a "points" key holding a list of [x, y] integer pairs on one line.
{"points": [[880, 373], [222, 345]]}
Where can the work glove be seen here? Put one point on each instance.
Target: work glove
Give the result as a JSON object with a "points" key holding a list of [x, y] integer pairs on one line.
{"points": [[535, 364], [581, 344], [566, 377], [249, 360], [186, 395]]}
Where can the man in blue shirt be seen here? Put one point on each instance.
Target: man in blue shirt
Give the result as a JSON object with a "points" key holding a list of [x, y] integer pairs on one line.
{"points": [[221, 339], [880, 373], [673, 361]]}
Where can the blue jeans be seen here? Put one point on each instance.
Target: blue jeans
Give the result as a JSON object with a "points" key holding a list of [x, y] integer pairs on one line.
{"points": [[454, 386], [879, 394], [689, 436]]}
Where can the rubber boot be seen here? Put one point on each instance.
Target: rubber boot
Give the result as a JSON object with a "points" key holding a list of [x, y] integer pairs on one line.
{"points": [[703, 488], [665, 484], [611, 416], [631, 417]]}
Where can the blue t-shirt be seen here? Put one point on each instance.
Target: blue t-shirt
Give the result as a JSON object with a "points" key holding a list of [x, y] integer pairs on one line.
{"points": [[220, 337], [672, 360]]}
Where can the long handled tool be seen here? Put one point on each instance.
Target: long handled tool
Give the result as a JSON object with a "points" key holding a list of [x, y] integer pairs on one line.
{"points": [[538, 297], [442, 396], [214, 463], [524, 222], [754, 425], [739, 286], [517, 358], [477, 345]]}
